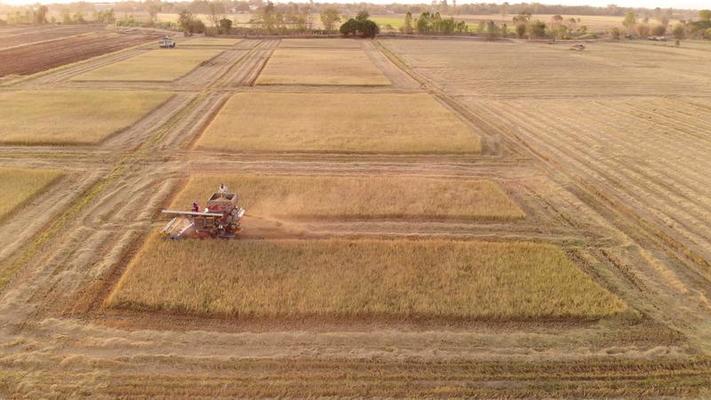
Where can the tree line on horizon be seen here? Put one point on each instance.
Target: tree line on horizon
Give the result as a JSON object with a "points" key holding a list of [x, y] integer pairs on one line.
{"points": [[438, 18]]}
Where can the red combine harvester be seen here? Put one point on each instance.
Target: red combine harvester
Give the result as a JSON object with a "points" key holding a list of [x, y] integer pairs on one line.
{"points": [[220, 219]]}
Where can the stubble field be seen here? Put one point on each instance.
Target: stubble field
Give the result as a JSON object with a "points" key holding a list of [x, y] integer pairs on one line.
{"points": [[343, 122], [425, 219]]}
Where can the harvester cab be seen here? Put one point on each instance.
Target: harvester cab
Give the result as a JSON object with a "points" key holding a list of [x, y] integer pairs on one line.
{"points": [[220, 219]]}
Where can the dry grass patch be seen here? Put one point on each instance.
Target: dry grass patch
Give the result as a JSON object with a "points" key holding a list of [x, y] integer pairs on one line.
{"points": [[319, 66], [397, 279], [154, 65], [320, 43], [306, 197], [65, 117], [208, 41], [20, 185], [348, 122]]}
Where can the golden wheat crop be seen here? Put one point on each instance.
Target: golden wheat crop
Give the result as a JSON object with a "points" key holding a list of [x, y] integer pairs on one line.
{"points": [[344, 122], [18, 185], [71, 116], [152, 65], [321, 66], [361, 278], [297, 197]]}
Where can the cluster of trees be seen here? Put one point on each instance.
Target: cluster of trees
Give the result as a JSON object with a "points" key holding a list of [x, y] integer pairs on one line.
{"points": [[525, 26], [360, 26], [32, 15], [643, 28], [284, 18], [432, 23]]}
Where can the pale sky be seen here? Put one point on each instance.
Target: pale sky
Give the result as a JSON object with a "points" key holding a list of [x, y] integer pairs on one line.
{"points": [[685, 4]]}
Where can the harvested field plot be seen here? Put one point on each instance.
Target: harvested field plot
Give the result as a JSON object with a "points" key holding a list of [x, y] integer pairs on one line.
{"points": [[18, 186], [635, 143], [207, 41], [65, 117], [321, 67], [368, 278], [361, 198], [525, 69], [153, 65], [338, 123], [38, 57], [320, 43]]}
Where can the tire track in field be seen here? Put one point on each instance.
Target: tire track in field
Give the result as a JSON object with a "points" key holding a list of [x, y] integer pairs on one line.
{"points": [[246, 72]]}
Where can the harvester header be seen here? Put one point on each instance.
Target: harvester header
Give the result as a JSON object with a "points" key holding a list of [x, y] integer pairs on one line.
{"points": [[220, 219]]}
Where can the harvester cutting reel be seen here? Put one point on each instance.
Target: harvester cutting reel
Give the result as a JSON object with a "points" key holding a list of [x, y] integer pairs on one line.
{"points": [[220, 219]]}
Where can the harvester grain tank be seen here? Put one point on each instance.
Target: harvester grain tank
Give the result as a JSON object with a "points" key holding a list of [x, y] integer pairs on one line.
{"points": [[220, 219]]}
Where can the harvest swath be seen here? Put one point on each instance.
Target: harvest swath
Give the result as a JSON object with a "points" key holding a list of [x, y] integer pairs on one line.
{"points": [[303, 197], [341, 279], [321, 66], [153, 65], [70, 117], [345, 122], [21, 185]]}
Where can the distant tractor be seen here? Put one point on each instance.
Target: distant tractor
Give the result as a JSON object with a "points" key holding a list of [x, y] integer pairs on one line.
{"points": [[220, 219], [166, 43]]}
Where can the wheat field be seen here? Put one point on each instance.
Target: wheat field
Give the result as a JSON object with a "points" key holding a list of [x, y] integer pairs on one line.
{"points": [[321, 66], [71, 117], [344, 122], [153, 65], [304, 197], [398, 279], [20, 185]]}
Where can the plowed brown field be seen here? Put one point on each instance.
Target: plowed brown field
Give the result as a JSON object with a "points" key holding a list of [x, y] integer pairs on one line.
{"points": [[31, 58]]}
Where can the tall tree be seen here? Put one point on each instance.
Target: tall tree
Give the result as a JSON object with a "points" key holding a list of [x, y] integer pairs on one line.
{"points": [[630, 21], [407, 25], [329, 18], [216, 10]]}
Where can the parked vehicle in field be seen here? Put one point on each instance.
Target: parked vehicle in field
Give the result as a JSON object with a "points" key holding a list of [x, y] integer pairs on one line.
{"points": [[166, 43]]}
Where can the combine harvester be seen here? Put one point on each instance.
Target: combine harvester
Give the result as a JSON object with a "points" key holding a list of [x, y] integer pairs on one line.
{"points": [[220, 219]]}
